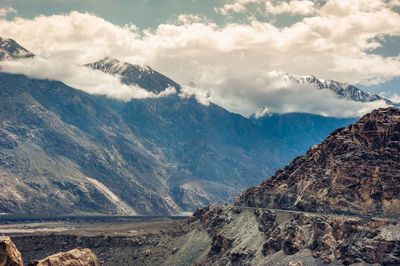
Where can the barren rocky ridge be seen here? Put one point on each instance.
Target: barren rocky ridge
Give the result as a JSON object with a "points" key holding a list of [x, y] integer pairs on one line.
{"points": [[355, 170]]}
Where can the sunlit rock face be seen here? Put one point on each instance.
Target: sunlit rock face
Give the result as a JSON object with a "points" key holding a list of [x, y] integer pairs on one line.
{"points": [[9, 254], [355, 170], [78, 256]]}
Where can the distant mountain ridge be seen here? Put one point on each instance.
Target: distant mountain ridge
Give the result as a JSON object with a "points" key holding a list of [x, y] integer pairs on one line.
{"points": [[342, 90]]}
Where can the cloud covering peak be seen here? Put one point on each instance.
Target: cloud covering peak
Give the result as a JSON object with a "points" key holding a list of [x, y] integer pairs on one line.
{"points": [[80, 77], [231, 64]]}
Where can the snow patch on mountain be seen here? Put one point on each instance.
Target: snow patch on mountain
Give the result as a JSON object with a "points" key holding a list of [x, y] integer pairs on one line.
{"points": [[341, 89], [9, 50], [83, 78], [136, 74], [114, 66]]}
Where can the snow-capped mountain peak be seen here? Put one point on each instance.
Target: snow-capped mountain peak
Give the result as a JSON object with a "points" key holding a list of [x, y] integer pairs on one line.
{"points": [[114, 66], [343, 90], [10, 49], [139, 74]]}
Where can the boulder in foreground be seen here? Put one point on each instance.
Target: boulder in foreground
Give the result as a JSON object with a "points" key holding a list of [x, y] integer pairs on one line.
{"points": [[75, 257], [9, 254]]}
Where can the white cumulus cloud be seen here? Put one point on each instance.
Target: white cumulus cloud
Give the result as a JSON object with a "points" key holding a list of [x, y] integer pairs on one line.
{"points": [[274, 7], [79, 77], [4, 11], [229, 64]]}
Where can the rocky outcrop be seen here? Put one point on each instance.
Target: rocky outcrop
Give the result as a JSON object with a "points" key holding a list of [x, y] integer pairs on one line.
{"points": [[355, 170], [251, 236], [9, 254], [78, 257]]}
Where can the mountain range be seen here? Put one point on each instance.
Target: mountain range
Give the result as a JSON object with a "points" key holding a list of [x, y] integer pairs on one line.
{"points": [[66, 151], [341, 89]]}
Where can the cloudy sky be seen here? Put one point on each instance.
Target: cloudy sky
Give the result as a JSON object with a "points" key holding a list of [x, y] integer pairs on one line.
{"points": [[224, 51]]}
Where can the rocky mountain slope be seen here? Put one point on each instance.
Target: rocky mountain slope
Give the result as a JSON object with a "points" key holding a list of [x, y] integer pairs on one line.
{"points": [[66, 151], [355, 170], [252, 236]]}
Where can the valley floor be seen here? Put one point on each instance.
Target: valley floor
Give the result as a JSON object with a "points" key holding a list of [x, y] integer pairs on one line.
{"points": [[114, 240], [216, 235]]}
